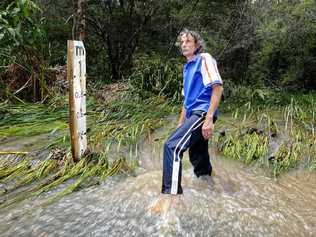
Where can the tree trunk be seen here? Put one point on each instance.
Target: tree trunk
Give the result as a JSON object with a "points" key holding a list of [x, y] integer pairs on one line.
{"points": [[78, 29]]}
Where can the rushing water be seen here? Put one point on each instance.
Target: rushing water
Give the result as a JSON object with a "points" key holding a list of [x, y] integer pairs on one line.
{"points": [[237, 201]]}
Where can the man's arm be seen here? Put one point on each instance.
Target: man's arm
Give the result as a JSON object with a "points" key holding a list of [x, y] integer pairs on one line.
{"points": [[182, 117], [208, 126]]}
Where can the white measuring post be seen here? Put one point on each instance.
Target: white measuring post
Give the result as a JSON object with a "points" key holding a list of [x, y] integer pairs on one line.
{"points": [[76, 74]]}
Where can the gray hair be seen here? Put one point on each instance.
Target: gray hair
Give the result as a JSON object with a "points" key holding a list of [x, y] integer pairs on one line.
{"points": [[197, 39]]}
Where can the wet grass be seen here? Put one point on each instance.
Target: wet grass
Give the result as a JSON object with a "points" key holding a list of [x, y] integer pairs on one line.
{"points": [[277, 133], [31, 119], [117, 124]]}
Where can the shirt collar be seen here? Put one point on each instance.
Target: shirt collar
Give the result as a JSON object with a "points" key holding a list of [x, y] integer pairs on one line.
{"points": [[193, 59]]}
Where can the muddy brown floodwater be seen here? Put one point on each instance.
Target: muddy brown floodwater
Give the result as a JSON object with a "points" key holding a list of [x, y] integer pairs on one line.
{"points": [[237, 201]]}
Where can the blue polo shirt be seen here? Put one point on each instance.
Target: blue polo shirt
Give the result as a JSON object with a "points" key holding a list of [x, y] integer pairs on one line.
{"points": [[199, 75]]}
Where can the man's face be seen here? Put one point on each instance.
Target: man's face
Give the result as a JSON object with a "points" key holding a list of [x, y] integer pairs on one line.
{"points": [[188, 46]]}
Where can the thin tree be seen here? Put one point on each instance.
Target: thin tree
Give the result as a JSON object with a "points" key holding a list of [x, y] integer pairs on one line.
{"points": [[78, 29]]}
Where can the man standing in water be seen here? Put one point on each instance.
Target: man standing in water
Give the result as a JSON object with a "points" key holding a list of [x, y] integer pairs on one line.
{"points": [[202, 92]]}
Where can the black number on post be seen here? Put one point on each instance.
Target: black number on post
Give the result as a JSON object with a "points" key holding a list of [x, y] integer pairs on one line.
{"points": [[80, 68]]}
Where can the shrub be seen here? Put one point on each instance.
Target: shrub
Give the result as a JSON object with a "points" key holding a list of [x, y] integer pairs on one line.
{"points": [[157, 75]]}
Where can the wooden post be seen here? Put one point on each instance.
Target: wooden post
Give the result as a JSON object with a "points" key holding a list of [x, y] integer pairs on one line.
{"points": [[76, 74]]}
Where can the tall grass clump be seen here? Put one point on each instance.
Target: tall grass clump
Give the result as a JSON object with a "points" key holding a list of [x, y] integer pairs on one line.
{"points": [[274, 129], [156, 75]]}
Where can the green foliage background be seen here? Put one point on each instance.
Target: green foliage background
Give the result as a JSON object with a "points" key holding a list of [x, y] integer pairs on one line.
{"points": [[261, 43]]}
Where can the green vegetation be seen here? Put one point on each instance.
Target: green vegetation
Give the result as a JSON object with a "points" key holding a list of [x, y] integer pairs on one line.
{"points": [[157, 76], [277, 132], [120, 123], [23, 68], [261, 43], [286, 46]]}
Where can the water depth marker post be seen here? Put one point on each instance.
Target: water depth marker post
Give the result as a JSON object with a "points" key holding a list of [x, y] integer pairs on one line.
{"points": [[76, 75]]}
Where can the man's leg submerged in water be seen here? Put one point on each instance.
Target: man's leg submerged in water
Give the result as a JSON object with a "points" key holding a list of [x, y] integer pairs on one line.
{"points": [[188, 135], [199, 157], [198, 153], [174, 147]]}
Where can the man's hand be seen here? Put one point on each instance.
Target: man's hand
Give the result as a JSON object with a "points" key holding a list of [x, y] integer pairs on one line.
{"points": [[208, 125], [207, 128]]}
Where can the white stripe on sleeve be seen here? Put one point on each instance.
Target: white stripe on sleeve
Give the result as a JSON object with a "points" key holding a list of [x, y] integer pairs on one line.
{"points": [[209, 70]]}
